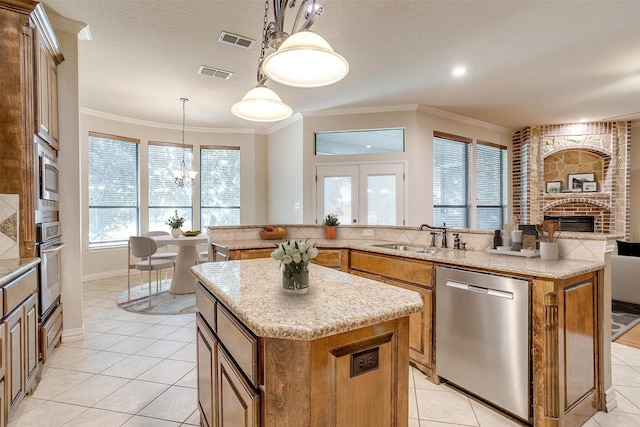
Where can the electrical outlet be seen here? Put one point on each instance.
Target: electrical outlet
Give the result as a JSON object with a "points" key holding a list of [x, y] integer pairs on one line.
{"points": [[364, 361], [367, 233]]}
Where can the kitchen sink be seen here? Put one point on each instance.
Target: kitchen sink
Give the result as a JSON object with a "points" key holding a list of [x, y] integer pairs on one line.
{"points": [[408, 248]]}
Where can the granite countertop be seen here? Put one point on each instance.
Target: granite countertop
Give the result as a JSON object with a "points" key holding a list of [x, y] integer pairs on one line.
{"points": [[335, 302], [533, 267], [12, 268]]}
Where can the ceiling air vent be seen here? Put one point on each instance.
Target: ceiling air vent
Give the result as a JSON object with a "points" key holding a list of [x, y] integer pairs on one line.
{"points": [[236, 40], [214, 72]]}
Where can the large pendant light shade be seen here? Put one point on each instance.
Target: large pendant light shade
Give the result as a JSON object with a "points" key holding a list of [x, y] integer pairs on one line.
{"points": [[261, 104], [305, 59]]}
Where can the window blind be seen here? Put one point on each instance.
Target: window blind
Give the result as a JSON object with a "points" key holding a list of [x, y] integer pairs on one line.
{"points": [[491, 184], [113, 189], [451, 159], [165, 197], [219, 186]]}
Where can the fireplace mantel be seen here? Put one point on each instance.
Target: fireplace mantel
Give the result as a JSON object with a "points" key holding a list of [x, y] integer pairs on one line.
{"points": [[599, 147]]}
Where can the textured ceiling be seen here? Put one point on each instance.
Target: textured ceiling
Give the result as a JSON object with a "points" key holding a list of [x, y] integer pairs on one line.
{"points": [[529, 62]]}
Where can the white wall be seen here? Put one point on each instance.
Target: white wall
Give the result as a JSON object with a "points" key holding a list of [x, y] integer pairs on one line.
{"points": [[70, 197], [285, 174], [253, 182], [419, 124]]}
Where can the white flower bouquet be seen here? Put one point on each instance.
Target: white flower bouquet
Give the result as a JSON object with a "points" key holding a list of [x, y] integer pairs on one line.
{"points": [[294, 257]]}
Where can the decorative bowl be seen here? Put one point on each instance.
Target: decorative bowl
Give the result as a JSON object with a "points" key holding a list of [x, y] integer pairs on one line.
{"points": [[272, 235], [191, 233]]}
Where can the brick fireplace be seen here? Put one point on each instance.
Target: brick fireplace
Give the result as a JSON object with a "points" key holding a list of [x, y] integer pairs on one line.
{"points": [[544, 157]]}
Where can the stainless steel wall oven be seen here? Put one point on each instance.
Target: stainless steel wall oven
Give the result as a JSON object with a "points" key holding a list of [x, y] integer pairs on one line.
{"points": [[49, 246]]}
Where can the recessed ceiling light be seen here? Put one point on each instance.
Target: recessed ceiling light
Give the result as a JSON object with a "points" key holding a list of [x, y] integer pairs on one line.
{"points": [[459, 71], [368, 146], [583, 120]]}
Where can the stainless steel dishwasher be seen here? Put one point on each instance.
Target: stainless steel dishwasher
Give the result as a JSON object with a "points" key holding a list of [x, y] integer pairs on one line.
{"points": [[482, 337]]}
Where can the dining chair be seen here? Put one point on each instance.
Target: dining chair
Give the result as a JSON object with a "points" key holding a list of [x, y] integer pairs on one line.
{"points": [[144, 247], [161, 254]]}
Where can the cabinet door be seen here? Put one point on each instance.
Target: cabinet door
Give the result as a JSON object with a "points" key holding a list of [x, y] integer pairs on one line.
{"points": [[206, 361], [47, 96], [238, 403], [15, 380], [31, 361]]}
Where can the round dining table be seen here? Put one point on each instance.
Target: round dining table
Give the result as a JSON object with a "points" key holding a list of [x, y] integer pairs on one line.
{"points": [[183, 282]]}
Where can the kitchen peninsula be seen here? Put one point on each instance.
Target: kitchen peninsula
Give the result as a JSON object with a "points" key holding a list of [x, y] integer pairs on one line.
{"points": [[569, 327], [337, 355]]}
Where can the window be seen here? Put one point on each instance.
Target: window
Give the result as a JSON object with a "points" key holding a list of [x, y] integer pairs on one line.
{"points": [[360, 142], [491, 185], [113, 189], [454, 190], [165, 197], [451, 159], [219, 186]]}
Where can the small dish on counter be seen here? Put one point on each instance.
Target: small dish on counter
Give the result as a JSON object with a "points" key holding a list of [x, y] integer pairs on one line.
{"points": [[191, 233]]}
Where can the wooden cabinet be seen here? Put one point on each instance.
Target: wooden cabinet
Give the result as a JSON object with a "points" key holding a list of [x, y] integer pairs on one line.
{"points": [[20, 338], [240, 254], [567, 380], [227, 366], [414, 275], [206, 359], [238, 401], [48, 56], [3, 358], [16, 114], [332, 258], [50, 333]]}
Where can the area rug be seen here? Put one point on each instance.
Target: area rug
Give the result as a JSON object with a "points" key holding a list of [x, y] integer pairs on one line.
{"points": [[163, 302], [624, 316]]}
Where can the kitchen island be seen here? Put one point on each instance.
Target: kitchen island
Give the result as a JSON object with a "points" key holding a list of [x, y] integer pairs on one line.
{"points": [[337, 355], [569, 311]]}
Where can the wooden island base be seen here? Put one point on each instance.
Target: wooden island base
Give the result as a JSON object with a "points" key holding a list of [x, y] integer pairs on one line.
{"points": [[337, 356], [310, 383]]}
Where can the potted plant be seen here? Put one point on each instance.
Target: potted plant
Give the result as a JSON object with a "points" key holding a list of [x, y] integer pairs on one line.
{"points": [[175, 222], [331, 221]]}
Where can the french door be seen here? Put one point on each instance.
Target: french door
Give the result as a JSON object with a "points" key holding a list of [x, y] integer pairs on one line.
{"points": [[368, 194]]}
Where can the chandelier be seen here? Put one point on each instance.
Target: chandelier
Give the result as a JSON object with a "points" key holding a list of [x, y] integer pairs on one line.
{"points": [[184, 177], [301, 59]]}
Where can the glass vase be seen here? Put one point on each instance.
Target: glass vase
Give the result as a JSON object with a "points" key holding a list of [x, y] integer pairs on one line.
{"points": [[295, 277]]}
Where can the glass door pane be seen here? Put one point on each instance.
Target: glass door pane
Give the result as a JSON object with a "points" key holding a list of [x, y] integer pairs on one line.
{"points": [[337, 193], [382, 201]]}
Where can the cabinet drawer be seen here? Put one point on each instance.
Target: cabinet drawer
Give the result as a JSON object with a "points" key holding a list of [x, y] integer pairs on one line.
{"points": [[405, 269], [17, 291], [331, 258], [206, 304], [241, 344], [50, 333]]}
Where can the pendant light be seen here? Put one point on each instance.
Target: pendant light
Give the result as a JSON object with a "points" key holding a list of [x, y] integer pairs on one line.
{"points": [[183, 177], [302, 59]]}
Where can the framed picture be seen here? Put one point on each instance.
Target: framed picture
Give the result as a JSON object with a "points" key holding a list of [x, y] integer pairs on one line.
{"points": [[576, 180], [554, 186], [589, 186]]}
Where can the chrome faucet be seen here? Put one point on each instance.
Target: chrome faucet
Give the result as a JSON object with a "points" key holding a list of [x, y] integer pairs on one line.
{"points": [[443, 229]]}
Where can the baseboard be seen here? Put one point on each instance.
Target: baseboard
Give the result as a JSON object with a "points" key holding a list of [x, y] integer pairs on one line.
{"points": [[104, 275], [73, 335], [610, 399]]}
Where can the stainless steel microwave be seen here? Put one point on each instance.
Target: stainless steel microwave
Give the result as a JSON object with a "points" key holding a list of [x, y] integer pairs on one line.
{"points": [[49, 180]]}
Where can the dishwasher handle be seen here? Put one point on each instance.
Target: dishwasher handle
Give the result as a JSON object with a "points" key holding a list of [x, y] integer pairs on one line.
{"points": [[480, 289]]}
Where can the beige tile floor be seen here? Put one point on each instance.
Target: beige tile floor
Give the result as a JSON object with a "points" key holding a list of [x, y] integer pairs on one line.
{"points": [[139, 370]]}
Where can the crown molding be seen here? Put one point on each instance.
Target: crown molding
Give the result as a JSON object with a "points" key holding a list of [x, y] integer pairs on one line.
{"points": [[122, 119]]}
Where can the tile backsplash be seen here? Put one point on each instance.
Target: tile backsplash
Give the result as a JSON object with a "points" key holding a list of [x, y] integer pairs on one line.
{"points": [[9, 210]]}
